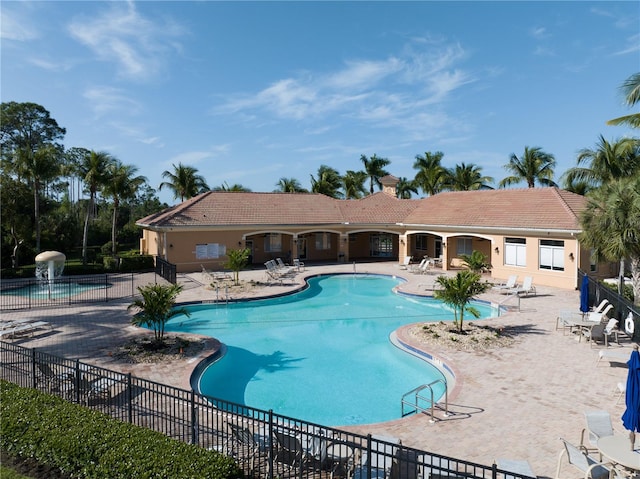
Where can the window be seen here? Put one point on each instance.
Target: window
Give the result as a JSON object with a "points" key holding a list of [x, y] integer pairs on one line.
{"points": [[421, 242], [381, 245], [210, 250], [515, 251], [464, 246], [552, 255], [273, 243], [323, 241]]}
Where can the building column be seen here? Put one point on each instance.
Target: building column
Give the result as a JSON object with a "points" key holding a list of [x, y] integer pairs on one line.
{"points": [[403, 246], [343, 248]]}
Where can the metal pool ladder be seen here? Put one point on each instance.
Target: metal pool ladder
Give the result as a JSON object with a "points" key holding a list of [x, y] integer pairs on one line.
{"points": [[413, 398]]}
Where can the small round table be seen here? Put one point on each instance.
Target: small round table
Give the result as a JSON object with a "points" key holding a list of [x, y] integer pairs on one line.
{"points": [[617, 448]]}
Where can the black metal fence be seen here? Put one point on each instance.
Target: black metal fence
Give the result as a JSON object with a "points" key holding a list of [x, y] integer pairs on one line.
{"points": [[35, 293], [621, 305], [265, 444], [166, 270]]}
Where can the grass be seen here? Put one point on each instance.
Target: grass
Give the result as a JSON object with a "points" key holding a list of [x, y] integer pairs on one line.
{"points": [[7, 473]]}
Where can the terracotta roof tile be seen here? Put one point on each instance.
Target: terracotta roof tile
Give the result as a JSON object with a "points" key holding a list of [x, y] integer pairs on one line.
{"points": [[531, 208]]}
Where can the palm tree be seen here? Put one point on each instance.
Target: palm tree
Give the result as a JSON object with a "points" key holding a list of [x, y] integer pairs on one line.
{"points": [[476, 261], [238, 260], [353, 184], [606, 161], [457, 291], [631, 89], [579, 187], [328, 182], [237, 188], [374, 168], [93, 171], [405, 187], [38, 167], [156, 307], [184, 182], [611, 225], [466, 178], [534, 165], [122, 184], [289, 185], [431, 174]]}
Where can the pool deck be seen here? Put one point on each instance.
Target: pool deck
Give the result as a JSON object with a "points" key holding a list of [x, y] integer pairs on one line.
{"points": [[514, 402]]}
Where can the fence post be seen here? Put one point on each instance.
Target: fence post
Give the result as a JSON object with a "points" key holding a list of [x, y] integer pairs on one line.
{"points": [[271, 444], [130, 398], [33, 367], [194, 420], [494, 470]]}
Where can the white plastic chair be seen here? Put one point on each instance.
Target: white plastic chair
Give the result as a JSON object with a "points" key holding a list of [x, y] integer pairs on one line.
{"points": [[598, 425], [591, 468]]}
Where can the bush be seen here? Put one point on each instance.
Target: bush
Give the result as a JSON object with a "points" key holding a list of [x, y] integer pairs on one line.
{"points": [[89, 444]]}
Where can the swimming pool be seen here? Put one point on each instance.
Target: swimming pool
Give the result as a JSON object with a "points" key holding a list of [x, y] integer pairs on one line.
{"points": [[44, 290], [323, 354]]}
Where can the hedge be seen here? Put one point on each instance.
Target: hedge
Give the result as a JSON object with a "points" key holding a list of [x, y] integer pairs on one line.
{"points": [[89, 444]]}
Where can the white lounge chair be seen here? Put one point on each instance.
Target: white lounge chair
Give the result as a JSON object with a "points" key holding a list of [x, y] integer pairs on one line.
{"points": [[405, 263], [614, 355], [526, 288], [601, 306], [282, 267], [591, 468], [23, 329], [416, 268], [509, 284], [598, 317]]}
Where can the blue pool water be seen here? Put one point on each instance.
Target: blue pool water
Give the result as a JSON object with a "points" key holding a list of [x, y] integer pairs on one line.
{"points": [[322, 355]]}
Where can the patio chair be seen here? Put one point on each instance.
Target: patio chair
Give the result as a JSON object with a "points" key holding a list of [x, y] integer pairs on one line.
{"points": [[289, 451], [417, 267], [51, 379], [299, 265], [244, 447], [516, 466], [599, 317], [598, 425], [526, 288], [509, 284], [576, 457], [602, 332]]}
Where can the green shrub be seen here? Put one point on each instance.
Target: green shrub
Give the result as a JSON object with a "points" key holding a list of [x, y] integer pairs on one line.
{"points": [[136, 262], [89, 444]]}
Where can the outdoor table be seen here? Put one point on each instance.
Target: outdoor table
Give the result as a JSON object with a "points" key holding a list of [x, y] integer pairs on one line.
{"points": [[617, 449], [582, 325]]}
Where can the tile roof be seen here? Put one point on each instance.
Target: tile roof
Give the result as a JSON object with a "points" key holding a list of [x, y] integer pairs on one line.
{"points": [[531, 208]]}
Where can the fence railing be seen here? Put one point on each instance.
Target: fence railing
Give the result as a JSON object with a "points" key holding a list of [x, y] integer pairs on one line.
{"points": [[264, 444], [166, 270], [35, 293], [621, 305]]}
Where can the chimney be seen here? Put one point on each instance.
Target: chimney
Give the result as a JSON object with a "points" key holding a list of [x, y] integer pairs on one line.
{"points": [[389, 183]]}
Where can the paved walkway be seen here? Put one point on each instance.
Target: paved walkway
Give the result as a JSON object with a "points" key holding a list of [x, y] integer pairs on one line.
{"points": [[513, 402]]}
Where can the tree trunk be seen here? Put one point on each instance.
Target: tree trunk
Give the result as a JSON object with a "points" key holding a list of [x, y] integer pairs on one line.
{"points": [[36, 211], [114, 225], [85, 234], [635, 279]]}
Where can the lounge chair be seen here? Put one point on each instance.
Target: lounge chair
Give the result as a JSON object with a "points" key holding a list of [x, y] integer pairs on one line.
{"points": [[526, 288], [601, 306], [417, 267], [602, 332], [598, 317], [598, 425], [289, 451], [405, 263], [509, 284], [282, 267], [244, 446], [23, 329], [590, 467], [613, 355], [51, 379]]}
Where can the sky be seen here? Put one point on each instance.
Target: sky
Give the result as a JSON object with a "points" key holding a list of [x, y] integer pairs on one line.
{"points": [[251, 92]]}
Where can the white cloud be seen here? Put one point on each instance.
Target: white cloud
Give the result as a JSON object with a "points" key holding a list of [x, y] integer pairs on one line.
{"points": [[633, 45], [52, 66], [136, 44], [15, 25], [195, 157], [539, 33], [105, 99]]}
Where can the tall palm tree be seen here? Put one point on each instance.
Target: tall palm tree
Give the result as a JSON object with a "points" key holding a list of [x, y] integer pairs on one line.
{"points": [[93, 170], [374, 168], [289, 185], [405, 187], [184, 181], [236, 187], [534, 165], [328, 182], [611, 225], [469, 177], [38, 167], [121, 184], [457, 291], [431, 174], [631, 89], [606, 161], [353, 184]]}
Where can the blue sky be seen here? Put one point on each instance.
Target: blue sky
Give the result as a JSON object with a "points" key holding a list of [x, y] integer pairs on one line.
{"points": [[249, 92]]}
